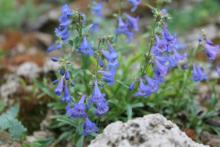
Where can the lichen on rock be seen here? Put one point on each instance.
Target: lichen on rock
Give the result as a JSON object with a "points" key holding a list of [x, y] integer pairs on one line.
{"points": [[152, 130]]}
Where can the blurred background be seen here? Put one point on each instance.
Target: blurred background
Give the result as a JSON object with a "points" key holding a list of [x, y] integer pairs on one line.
{"points": [[27, 30]]}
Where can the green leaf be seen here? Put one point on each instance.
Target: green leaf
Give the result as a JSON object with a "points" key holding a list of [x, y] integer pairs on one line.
{"points": [[80, 142], [8, 121]]}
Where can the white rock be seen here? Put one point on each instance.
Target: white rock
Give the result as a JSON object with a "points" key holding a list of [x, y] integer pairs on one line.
{"points": [[29, 70], [150, 131], [9, 88]]}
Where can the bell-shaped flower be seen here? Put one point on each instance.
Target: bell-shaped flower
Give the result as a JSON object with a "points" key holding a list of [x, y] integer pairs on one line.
{"points": [[54, 47], [59, 89], [97, 9], [132, 22], [198, 74], [86, 48], [67, 97], [89, 127], [143, 90], [211, 50], [123, 29], [134, 4], [78, 110]]}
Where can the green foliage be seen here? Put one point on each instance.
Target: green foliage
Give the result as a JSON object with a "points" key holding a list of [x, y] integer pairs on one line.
{"points": [[176, 98], [8, 122], [14, 15], [183, 20]]}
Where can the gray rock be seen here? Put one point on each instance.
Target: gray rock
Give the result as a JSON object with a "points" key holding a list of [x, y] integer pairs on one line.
{"points": [[150, 131], [9, 88], [28, 70]]}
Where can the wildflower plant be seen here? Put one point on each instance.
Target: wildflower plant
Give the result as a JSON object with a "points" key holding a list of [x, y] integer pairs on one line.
{"points": [[98, 82]]}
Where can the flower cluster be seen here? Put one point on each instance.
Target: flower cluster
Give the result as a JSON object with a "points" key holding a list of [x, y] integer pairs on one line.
{"points": [[86, 48], [97, 12], [211, 51], [109, 73], [79, 109], [166, 55], [127, 27], [62, 31]]}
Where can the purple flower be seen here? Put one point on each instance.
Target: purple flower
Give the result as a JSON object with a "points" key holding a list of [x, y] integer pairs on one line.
{"points": [[94, 27], [132, 22], [54, 47], [108, 77], [160, 69], [101, 107], [147, 90], [62, 32], [123, 29], [101, 62], [86, 48], [67, 96], [58, 91], [160, 47], [179, 57], [78, 110], [65, 18], [67, 75], [198, 74], [99, 100], [152, 84], [112, 58], [97, 9], [211, 50], [62, 71], [143, 90], [131, 87], [89, 127], [110, 55], [134, 4], [55, 59]]}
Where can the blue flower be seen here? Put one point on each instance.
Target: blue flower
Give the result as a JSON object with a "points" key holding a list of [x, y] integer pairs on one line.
{"points": [[110, 55], [110, 72], [101, 107], [55, 59], [143, 90], [108, 76], [152, 84], [62, 32], [99, 100], [97, 9], [86, 48], [67, 96], [123, 29], [59, 89], [134, 4], [211, 50], [78, 110], [54, 47], [160, 47], [94, 27], [67, 75], [147, 90], [160, 69], [131, 87], [101, 62], [132, 22], [65, 18], [89, 127], [198, 74]]}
